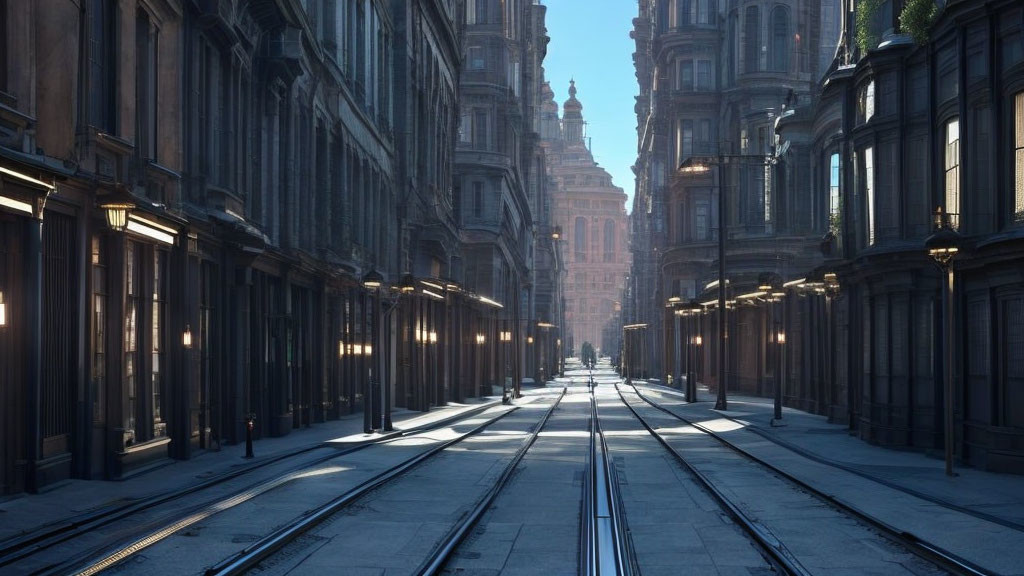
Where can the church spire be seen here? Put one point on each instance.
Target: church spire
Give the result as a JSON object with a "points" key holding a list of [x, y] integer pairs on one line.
{"points": [[572, 119]]}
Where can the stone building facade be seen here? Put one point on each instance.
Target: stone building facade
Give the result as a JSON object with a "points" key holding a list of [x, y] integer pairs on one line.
{"points": [[500, 174], [714, 78], [863, 149], [590, 213], [217, 213], [901, 129]]}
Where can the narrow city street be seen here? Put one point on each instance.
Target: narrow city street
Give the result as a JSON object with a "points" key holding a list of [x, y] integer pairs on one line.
{"points": [[492, 488], [512, 287]]}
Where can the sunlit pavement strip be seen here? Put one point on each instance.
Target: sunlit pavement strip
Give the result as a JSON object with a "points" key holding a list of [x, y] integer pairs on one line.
{"points": [[824, 540], [533, 525], [994, 547], [675, 526], [363, 467], [414, 510]]}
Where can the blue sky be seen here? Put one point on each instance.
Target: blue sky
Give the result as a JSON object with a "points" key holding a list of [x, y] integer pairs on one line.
{"points": [[590, 43]]}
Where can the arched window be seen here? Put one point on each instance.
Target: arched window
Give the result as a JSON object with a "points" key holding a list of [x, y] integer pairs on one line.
{"points": [[780, 39], [609, 240], [751, 39], [580, 239]]}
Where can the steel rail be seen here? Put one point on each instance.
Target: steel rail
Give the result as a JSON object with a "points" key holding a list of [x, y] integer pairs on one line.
{"points": [[777, 553], [268, 545], [921, 548], [442, 554], [26, 545], [1018, 526], [94, 562], [609, 550]]}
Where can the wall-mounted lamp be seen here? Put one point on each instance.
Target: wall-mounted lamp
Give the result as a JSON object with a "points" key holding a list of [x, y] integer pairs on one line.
{"points": [[373, 280], [3, 310], [481, 339], [367, 349], [186, 337], [697, 340], [781, 338], [433, 337], [341, 348], [529, 339], [357, 349], [117, 214]]}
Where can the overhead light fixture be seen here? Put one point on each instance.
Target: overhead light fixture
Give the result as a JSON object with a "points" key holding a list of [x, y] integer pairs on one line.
{"points": [[186, 337], [117, 214], [373, 280]]}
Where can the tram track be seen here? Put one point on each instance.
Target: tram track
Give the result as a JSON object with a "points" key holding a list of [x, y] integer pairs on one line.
{"points": [[24, 546], [1006, 522], [125, 542], [605, 546], [264, 549], [785, 560]]}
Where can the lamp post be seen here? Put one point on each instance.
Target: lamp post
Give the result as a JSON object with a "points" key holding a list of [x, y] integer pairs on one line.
{"points": [[702, 165], [672, 304], [506, 339], [942, 246], [690, 311]]}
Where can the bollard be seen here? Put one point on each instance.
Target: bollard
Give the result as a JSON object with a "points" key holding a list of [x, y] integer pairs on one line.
{"points": [[250, 424]]}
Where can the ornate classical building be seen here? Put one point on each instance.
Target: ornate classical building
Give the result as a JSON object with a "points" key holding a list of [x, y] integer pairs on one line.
{"points": [[590, 213], [217, 213], [714, 78], [835, 149], [498, 170]]}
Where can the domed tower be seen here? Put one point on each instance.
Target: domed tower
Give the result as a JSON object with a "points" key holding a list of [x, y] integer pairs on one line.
{"points": [[549, 128], [572, 117]]}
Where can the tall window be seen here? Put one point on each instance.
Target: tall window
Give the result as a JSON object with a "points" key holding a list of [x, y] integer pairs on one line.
{"points": [[609, 240], [103, 64], [703, 75], [478, 199], [3, 46], [705, 11], [1018, 157], [684, 75], [952, 168], [476, 12], [145, 85], [869, 191], [684, 141], [751, 39], [157, 348], [580, 239], [133, 314], [780, 39], [834, 206], [480, 139], [701, 220], [99, 330]]}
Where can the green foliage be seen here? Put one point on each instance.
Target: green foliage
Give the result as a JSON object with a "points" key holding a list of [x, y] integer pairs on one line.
{"points": [[917, 19], [867, 34], [835, 223], [588, 355]]}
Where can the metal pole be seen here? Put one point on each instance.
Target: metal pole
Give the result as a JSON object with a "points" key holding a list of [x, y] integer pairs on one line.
{"points": [[779, 358], [689, 357], [950, 438], [721, 403], [677, 351]]}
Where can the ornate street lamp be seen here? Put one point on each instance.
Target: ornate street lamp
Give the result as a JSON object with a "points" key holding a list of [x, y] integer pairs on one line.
{"points": [[373, 280], [942, 246]]}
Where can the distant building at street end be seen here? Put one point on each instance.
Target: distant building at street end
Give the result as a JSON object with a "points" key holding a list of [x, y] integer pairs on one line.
{"points": [[591, 213]]}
